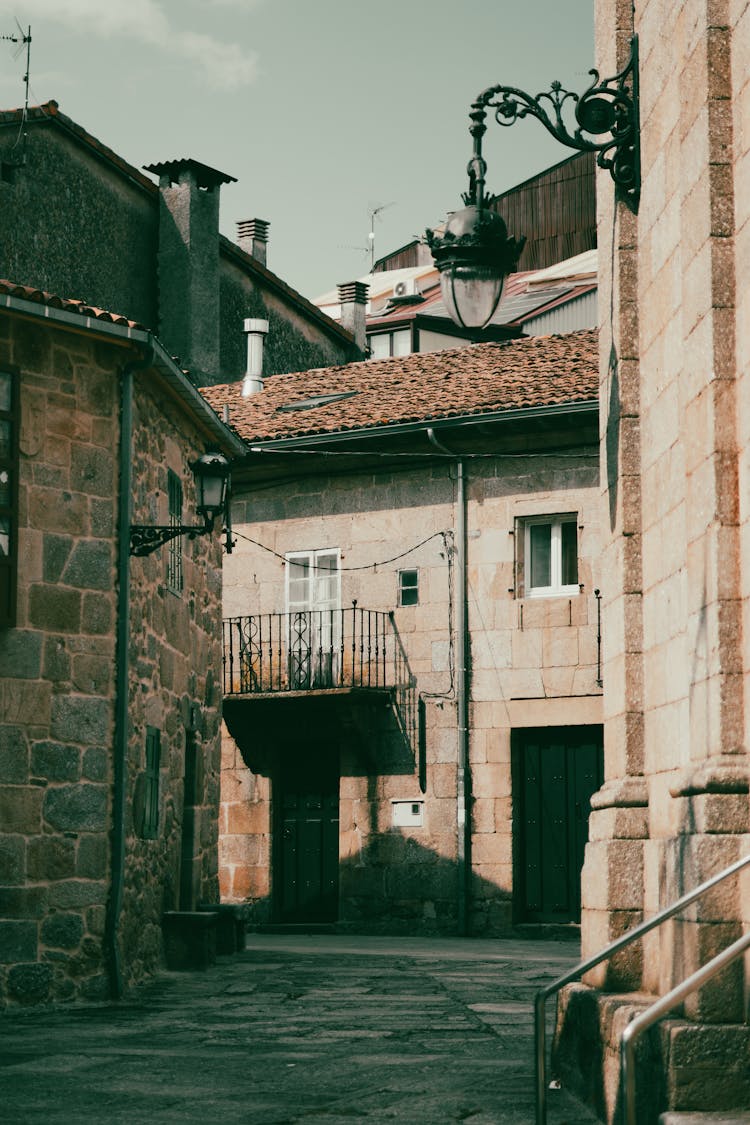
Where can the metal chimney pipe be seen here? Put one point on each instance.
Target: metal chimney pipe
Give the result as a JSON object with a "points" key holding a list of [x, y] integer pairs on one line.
{"points": [[256, 331]]}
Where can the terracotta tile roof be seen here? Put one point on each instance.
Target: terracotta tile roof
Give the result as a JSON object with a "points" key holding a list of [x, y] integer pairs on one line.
{"points": [[480, 379], [70, 304]]}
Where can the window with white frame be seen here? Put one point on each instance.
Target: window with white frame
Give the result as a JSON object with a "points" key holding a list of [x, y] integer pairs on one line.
{"points": [[549, 546], [313, 602], [408, 587]]}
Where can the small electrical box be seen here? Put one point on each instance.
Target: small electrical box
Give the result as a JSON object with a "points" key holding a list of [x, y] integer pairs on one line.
{"points": [[408, 814]]}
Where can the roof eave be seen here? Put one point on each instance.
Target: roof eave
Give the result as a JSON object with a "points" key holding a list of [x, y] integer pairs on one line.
{"points": [[173, 378], [398, 429]]}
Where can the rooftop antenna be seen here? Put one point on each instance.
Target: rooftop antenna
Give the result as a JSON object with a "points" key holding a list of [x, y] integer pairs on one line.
{"points": [[373, 212], [23, 39]]}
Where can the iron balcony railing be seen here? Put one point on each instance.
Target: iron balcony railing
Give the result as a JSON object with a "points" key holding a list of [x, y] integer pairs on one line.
{"points": [[308, 650]]}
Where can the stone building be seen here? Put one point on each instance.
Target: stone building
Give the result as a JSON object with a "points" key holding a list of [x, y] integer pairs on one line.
{"points": [[411, 678], [110, 665], [77, 219], [675, 415]]}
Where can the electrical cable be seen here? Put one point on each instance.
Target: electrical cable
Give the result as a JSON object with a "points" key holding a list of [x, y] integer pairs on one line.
{"points": [[349, 569]]}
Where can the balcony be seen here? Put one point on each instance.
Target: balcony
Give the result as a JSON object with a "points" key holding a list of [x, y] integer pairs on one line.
{"points": [[309, 651]]}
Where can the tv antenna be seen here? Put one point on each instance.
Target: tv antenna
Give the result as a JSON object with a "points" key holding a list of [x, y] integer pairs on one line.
{"points": [[374, 212], [23, 39]]}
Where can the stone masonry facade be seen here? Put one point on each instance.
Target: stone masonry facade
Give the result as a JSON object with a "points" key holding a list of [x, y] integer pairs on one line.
{"points": [[674, 396], [58, 674], [533, 663]]}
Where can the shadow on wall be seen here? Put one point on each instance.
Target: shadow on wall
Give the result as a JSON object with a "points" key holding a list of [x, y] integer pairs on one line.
{"points": [[393, 885]]}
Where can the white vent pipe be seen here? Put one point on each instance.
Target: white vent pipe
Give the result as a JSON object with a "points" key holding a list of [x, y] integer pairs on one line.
{"points": [[256, 331]]}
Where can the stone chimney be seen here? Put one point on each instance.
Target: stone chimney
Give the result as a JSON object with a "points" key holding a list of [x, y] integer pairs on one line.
{"points": [[256, 331], [188, 280], [353, 301], [252, 237]]}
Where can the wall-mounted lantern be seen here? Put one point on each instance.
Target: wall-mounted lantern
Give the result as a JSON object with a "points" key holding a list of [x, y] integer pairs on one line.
{"points": [[473, 252], [211, 472]]}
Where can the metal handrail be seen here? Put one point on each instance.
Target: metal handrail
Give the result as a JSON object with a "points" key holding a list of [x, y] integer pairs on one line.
{"points": [[583, 967], [660, 1008]]}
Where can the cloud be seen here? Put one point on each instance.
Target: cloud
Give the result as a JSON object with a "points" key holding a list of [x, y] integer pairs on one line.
{"points": [[225, 66]]}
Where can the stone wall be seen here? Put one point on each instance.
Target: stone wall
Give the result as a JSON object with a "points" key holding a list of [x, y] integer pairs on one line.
{"points": [[67, 197], [52, 212], [532, 663], [57, 672], [57, 675]]}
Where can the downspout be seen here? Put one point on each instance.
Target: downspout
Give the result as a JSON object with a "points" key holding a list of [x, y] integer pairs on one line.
{"points": [[122, 669], [463, 773]]}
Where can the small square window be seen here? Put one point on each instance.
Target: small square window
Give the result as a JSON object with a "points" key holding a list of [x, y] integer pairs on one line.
{"points": [[408, 587], [547, 556]]}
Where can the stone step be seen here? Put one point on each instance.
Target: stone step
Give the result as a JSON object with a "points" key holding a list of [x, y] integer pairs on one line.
{"points": [[727, 1117]]}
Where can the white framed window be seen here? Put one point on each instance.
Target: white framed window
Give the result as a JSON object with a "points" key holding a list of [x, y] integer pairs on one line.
{"points": [[313, 603], [550, 556], [408, 587], [383, 345]]}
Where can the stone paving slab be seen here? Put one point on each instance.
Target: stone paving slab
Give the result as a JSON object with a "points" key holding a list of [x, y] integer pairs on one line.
{"points": [[324, 1030]]}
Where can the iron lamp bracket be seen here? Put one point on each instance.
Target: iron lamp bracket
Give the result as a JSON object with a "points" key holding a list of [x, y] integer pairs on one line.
{"points": [[604, 120]]}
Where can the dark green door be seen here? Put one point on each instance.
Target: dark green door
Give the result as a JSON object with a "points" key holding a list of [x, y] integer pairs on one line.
{"points": [[307, 845], [556, 771]]}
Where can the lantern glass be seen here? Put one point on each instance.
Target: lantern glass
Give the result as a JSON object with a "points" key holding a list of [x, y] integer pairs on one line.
{"points": [[472, 293], [211, 482]]}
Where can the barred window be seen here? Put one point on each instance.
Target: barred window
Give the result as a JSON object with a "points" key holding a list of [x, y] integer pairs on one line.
{"points": [[174, 556], [151, 787]]}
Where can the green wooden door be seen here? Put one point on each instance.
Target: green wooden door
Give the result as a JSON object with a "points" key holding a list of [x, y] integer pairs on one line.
{"points": [[556, 770], [306, 850]]}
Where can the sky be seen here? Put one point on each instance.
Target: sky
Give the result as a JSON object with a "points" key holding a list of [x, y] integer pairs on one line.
{"points": [[324, 110]]}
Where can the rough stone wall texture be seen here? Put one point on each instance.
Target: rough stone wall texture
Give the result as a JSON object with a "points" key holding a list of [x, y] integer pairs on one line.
{"points": [[175, 687], [52, 215], [57, 676], [292, 344], [530, 659], [57, 672]]}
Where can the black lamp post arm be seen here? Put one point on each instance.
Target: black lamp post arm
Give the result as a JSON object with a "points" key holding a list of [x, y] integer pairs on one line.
{"points": [[606, 122], [145, 539]]}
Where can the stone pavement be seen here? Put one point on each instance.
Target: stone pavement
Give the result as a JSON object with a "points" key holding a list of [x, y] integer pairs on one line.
{"points": [[323, 1029]]}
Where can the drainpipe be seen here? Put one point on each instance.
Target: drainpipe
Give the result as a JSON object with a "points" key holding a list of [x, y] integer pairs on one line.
{"points": [[463, 773], [120, 753]]}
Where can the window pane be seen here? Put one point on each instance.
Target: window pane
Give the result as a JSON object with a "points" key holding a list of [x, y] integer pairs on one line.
{"points": [[5, 390], [540, 569], [569, 546], [5, 440], [4, 535], [380, 345], [4, 488], [402, 342], [408, 587], [299, 587]]}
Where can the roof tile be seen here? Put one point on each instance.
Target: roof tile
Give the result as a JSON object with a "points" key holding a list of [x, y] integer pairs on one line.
{"points": [[479, 379]]}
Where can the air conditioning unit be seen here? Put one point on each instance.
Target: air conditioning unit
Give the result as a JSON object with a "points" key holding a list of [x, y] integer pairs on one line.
{"points": [[406, 288]]}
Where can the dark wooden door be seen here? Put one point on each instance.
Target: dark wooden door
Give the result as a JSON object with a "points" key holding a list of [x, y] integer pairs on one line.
{"points": [[306, 849], [556, 770]]}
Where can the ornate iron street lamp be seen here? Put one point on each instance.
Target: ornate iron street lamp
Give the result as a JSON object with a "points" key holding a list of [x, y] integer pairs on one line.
{"points": [[211, 472], [474, 253]]}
